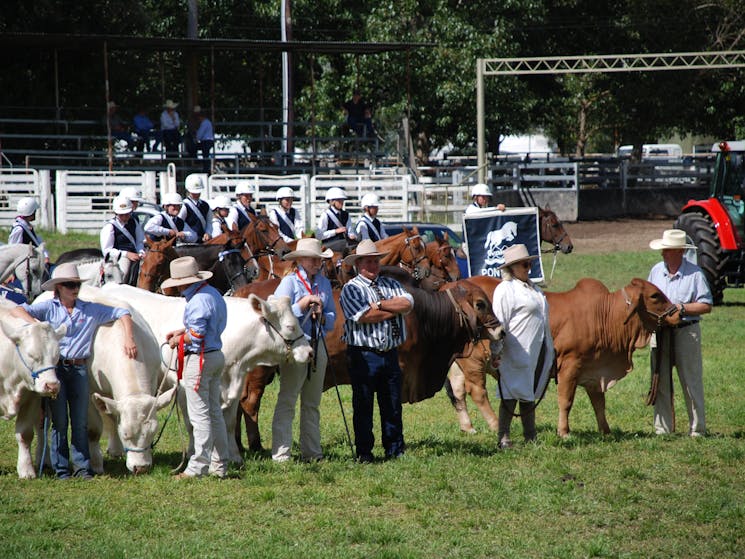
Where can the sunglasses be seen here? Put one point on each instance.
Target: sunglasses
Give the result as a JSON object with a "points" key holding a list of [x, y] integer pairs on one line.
{"points": [[527, 265], [70, 284]]}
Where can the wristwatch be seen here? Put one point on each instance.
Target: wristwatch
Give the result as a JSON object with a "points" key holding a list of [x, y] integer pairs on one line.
{"points": [[682, 311]]}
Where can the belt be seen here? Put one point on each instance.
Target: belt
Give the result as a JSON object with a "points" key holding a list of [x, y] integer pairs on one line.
{"points": [[371, 349], [71, 362], [686, 324], [198, 352]]}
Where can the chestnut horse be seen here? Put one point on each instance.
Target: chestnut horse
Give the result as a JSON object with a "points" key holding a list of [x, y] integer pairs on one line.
{"points": [[553, 232], [444, 267]]}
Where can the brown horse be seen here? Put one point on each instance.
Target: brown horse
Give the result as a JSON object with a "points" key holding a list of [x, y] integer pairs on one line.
{"points": [[406, 250], [553, 232], [444, 267]]}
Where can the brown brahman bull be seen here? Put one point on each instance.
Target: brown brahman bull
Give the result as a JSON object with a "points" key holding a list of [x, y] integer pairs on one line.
{"points": [[595, 334]]}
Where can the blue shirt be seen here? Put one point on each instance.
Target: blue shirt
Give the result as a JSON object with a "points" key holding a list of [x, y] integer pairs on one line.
{"points": [[293, 287], [204, 132], [687, 285], [356, 296], [205, 317], [81, 324]]}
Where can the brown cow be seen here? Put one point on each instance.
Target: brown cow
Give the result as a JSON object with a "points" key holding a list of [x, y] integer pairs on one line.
{"points": [[595, 334], [439, 328]]}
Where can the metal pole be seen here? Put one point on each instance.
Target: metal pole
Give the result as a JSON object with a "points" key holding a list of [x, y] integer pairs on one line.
{"points": [[108, 121], [480, 132]]}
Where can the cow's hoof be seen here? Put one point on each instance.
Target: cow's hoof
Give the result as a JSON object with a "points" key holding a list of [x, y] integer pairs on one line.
{"points": [[468, 431]]}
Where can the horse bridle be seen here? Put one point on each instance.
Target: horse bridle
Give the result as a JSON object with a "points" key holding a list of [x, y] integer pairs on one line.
{"points": [[158, 277], [445, 277], [547, 225], [222, 257], [412, 267]]}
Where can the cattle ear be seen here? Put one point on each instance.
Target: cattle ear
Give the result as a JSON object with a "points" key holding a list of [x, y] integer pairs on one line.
{"points": [[13, 334], [60, 331], [164, 398], [105, 405], [257, 304]]}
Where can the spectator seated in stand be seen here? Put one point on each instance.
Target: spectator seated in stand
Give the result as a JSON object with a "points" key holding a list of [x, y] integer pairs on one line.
{"points": [[117, 125], [144, 130]]}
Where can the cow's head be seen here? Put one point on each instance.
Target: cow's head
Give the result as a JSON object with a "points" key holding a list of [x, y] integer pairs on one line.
{"points": [[37, 353], [283, 328], [136, 421], [476, 310], [650, 303]]}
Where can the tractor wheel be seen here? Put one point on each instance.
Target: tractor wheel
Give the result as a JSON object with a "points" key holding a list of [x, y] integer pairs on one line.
{"points": [[710, 258]]}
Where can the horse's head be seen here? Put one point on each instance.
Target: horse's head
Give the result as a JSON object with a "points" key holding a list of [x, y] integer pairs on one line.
{"points": [[238, 271], [263, 237], [553, 232], [154, 267], [407, 250], [444, 266]]}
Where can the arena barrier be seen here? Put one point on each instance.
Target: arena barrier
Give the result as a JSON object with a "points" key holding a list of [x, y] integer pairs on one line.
{"points": [[83, 198], [19, 183]]}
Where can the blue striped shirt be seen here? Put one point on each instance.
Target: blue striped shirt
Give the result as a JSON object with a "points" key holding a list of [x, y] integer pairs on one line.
{"points": [[293, 287], [687, 285], [205, 317], [356, 296], [81, 324]]}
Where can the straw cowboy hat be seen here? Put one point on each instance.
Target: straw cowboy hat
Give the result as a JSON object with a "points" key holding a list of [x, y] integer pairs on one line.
{"points": [[185, 271], [516, 253], [365, 248], [62, 273], [310, 247], [671, 238], [169, 104]]}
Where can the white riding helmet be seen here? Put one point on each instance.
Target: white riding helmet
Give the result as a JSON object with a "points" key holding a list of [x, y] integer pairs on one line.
{"points": [[171, 199], [285, 192], [194, 183], [335, 193], [370, 200], [133, 193], [244, 187], [220, 202], [121, 205], [480, 190], [27, 206]]}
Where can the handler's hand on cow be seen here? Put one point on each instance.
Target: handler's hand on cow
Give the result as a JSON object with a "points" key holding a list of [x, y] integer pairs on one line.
{"points": [[130, 349]]}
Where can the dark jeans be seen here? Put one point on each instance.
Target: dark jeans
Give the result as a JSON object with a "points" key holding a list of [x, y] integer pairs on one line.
{"points": [[171, 141], [73, 393], [206, 147], [363, 127], [371, 372]]}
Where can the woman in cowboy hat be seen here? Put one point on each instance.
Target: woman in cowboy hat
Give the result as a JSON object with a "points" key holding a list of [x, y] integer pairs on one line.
{"points": [[81, 318], [374, 306], [205, 318], [313, 305], [528, 353], [685, 285]]}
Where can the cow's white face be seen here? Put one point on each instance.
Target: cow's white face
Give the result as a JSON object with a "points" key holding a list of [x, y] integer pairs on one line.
{"points": [[278, 311], [136, 422], [38, 349]]}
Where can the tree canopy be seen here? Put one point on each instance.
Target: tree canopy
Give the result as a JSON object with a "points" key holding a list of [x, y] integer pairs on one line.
{"points": [[434, 87]]}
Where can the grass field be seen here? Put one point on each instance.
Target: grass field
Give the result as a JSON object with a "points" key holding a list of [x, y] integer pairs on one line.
{"points": [[630, 494]]}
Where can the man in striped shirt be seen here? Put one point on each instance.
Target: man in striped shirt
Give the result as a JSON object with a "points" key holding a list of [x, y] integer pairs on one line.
{"points": [[374, 327]]}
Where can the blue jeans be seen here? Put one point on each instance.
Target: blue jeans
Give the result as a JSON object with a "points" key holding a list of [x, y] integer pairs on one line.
{"points": [[73, 392], [371, 372]]}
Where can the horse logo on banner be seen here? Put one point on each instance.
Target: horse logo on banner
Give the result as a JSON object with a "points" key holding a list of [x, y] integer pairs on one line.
{"points": [[489, 233]]}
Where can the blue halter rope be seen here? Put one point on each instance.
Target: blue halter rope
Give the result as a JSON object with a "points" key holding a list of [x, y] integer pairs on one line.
{"points": [[34, 373]]}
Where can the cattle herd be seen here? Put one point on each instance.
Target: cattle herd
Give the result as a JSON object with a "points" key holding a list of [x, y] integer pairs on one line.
{"points": [[454, 340]]}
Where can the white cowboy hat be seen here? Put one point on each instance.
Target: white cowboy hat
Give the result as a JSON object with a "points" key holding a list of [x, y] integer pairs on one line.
{"points": [[169, 104], [671, 238], [62, 273], [516, 253], [185, 271], [365, 248], [308, 246]]}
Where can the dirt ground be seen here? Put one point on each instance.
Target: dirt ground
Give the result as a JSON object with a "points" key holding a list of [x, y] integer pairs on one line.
{"points": [[592, 237]]}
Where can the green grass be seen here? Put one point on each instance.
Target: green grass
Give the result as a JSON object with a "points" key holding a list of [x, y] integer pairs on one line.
{"points": [[630, 494]]}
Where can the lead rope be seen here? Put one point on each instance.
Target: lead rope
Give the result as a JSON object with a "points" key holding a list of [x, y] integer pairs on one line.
{"points": [[46, 412]]}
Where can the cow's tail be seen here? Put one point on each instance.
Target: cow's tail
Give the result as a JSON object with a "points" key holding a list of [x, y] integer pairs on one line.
{"points": [[449, 391]]}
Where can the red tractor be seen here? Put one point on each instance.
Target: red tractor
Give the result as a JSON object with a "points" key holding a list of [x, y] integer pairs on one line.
{"points": [[717, 225]]}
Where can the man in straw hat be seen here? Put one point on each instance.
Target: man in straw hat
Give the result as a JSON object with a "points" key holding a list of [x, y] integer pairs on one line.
{"points": [[374, 306], [201, 362], [170, 125], [81, 319], [521, 308], [685, 285], [313, 305]]}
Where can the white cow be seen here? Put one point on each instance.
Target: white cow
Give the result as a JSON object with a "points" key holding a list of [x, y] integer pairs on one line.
{"points": [[124, 399], [258, 332], [28, 356]]}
